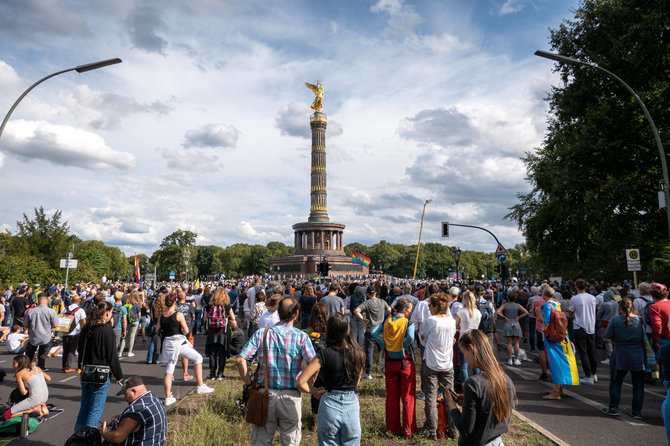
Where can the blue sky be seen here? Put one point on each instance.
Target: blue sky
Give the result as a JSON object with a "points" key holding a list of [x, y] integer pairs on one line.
{"points": [[205, 124]]}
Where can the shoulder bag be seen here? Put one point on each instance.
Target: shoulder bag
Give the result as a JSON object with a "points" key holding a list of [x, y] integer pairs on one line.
{"points": [[257, 406], [94, 374]]}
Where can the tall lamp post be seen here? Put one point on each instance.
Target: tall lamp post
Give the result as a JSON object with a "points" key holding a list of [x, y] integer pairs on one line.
{"points": [[485, 266], [659, 145], [457, 254], [416, 261], [78, 69]]}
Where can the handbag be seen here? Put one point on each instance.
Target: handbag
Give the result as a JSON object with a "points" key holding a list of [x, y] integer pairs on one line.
{"points": [[257, 406], [94, 374]]}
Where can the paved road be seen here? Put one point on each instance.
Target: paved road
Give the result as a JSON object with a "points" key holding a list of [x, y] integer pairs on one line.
{"points": [[576, 419], [65, 392]]}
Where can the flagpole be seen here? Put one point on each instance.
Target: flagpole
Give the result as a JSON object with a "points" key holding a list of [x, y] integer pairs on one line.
{"points": [[416, 261]]}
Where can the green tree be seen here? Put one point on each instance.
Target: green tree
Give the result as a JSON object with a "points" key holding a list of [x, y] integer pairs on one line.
{"points": [[44, 237], [594, 179], [257, 262], [232, 258]]}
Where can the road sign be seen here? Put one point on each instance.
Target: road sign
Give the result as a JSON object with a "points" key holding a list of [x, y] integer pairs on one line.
{"points": [[502, 257], [633, 260], [523, 269], [445, 229], [72, 263], [172, 274], [501, 249], [148, 277]]}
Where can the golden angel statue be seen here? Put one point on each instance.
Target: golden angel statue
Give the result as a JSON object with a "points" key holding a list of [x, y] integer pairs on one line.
{"points": [[318, 92]]}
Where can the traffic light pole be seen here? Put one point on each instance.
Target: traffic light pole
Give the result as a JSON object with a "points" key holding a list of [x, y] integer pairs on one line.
{"points": [[483, 229]]}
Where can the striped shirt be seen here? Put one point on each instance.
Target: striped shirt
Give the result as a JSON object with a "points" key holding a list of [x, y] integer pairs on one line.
{"points": [[287, 347]]}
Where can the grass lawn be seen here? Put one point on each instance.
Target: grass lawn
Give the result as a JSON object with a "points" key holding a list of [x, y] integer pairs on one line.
{"points": [[204, 420]]}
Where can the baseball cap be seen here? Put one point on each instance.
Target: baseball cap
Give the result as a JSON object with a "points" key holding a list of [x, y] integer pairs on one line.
{"points": [[129, 383], [371, 290]]}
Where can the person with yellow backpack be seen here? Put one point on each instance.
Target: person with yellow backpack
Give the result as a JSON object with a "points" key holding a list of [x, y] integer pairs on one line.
{"points": [[396, 336]]}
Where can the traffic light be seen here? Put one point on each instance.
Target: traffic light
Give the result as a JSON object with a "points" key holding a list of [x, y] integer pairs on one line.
{"points": [[445, 229], [323, 268]]}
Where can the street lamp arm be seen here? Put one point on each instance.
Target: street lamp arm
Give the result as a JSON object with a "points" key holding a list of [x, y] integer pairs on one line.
{"points": [[79, 69], [477, 227]]}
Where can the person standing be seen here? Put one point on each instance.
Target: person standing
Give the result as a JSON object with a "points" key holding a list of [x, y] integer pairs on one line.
{"points": [[19, 305], [287, 347], [511, 312], [119, 318], [659, 315], [332, 301], [582, 308], [375, 311], [396, 336], [96, 347], [607, 311], [437, 370], [71, 339], [488, 397], [560, 354], [220, 317], [134, 311], [629, 354], [340, 366], [467, 319], [40, 321]]}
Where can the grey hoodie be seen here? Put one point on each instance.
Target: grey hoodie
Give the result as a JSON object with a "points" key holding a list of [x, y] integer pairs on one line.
{"points": [[609, 308]]}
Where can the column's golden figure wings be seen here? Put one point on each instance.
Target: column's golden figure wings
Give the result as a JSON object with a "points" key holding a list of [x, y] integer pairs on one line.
{"points": [[318, 92]]}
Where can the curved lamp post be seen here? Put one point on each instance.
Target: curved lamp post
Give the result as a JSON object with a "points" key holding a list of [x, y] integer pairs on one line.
{"points": [[78, 69], [416, 261], [659, 145]]}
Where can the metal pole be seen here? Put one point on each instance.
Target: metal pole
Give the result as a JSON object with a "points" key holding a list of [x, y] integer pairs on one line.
{"points": [[657, 138], [416, 261]]}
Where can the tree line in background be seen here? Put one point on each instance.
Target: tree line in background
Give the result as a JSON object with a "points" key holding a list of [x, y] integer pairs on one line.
{"points": [[33, 253]]}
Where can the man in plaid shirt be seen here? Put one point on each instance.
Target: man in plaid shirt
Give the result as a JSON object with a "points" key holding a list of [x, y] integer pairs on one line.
{"points": [[287, 347]]}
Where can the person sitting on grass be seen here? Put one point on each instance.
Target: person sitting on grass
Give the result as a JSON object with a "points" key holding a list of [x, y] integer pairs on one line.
{"points": [[143, 422], [32, 383]]}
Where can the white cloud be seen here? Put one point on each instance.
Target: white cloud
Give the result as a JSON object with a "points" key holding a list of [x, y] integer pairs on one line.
{"points": [[192, 159], [510, 7], [212, 135], [293, 120], [62, 145]]}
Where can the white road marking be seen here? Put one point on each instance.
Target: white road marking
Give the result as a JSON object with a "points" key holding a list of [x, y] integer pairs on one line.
{"points": [[69, 378]]}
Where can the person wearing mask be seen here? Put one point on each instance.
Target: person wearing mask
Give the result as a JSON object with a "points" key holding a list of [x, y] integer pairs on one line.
{"points": [[437, 371], [467, 319], [174, 328], [629, 354], [375, 312], [396, 336], [488, 398], [340, 366], [96, 347]]}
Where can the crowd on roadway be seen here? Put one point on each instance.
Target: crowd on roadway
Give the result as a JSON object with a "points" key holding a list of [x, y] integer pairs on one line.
{"points": [[345, 329]]}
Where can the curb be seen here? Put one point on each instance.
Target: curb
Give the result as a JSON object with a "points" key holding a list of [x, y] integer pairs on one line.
{"points": [[540, 429]]}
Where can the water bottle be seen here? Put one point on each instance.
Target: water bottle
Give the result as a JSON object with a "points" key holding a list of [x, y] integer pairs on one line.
{"points": [[24, 426]]}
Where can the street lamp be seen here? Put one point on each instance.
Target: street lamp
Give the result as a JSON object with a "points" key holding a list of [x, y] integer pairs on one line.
{"points": [[457, 254], [485, 266], [416, 261], [78, 69], [659, 145]]}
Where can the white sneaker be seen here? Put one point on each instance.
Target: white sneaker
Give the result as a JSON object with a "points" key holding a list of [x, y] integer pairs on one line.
{"points": [[517, 362], [120, 355], [510, 361], [130, 355], [366, 376], [605, 361], [204, 389], [170, 400], [587, 380], [595, 378]]}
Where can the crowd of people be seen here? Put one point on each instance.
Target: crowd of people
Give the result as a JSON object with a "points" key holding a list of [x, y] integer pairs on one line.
{"points": [[338, 330]]}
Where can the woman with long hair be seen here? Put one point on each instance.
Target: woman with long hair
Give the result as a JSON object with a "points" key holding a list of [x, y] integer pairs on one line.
{"points": [[32, 385], [339, 365], [306, 301], [134, 306], [396, 336], [173, 328], [97, 346], [629, 354], [220, 320], [488, 397], [467, 319], [511, 312], [155, 347], [318, 324]]}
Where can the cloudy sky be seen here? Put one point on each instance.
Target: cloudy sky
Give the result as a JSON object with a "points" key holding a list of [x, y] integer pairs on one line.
{"points": [[205, 124]]}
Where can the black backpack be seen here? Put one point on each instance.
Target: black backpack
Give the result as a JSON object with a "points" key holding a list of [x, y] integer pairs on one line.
{"points": [[486, 322]]}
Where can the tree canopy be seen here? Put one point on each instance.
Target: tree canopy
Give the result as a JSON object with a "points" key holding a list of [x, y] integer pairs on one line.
{"points": [[595, 178]]}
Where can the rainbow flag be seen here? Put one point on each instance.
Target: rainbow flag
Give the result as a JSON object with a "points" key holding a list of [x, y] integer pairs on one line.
{"points": [[138, 279], [360, 258]]}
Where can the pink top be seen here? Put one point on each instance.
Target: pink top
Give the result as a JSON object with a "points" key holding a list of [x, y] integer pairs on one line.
{"points": [[535, 309]]}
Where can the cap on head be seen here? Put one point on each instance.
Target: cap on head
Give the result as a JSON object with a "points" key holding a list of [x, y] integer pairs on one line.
{"points": [[371, 290], [129, 383]]}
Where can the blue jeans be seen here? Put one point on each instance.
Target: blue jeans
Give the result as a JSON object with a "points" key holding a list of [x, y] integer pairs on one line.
{"points": [[666, 410], [338, 421], [93, 398], [197, 322], [370, 345], [151, 354], [462, 365]]}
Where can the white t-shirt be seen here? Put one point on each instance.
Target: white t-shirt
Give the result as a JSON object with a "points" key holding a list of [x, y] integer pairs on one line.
{"points": [[439, 340], [78, 316], [14, 341], [584, 307], [469, 323], [455, 306], [268, 319], [251, 296], [420, 314]]}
